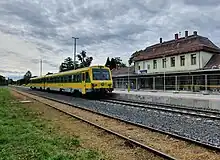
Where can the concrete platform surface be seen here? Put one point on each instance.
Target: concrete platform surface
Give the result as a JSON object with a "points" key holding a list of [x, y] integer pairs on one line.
{"points": [[183, 99]]}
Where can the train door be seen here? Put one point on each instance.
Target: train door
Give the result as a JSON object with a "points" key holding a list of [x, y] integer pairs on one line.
{"points": [[83, 83]]}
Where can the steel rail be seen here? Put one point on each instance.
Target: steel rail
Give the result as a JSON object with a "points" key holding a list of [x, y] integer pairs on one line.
{"points": [[137, 124], [132, 141], [161, 107]]}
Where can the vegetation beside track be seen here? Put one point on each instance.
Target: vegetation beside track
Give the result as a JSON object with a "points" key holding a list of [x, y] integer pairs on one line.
{"points": [[24, 136]]}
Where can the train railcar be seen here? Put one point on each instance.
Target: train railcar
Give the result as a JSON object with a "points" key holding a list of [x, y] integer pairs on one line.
{"points": [[84, 80]]}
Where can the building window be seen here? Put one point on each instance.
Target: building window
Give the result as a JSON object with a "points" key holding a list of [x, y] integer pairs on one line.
{"points": [[172, 61], [144, 65], [164, 63], [155, 64], [193, 59], [148, 66], [182, 60]]}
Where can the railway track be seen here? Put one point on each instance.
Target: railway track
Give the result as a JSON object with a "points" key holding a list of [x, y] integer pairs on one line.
{"points": [[212, 114], [128, 139], [209, 146]]}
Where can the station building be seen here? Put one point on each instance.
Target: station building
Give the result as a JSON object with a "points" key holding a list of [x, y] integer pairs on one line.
{"points": [[191, 62]]}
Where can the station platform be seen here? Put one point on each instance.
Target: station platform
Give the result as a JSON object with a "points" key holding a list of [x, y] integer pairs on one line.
{"points": [[186, 99]]}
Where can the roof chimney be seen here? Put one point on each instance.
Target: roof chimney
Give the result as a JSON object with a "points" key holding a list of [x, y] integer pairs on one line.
{"points": [[176, 36], [186, 34], [195, 33], [161, 40]]}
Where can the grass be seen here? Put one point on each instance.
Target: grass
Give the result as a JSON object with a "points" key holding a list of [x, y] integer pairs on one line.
{"points": [[25, 136]]}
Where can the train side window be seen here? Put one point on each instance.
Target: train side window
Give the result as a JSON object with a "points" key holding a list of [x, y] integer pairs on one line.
{"points": [[87, 77], [73, 78], [61, 79], [83, 76], [66, 79], [70, 78], [79, 78]]}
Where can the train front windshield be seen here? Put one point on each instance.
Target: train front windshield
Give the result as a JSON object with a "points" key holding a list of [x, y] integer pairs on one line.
{"points": [[100, 74]]}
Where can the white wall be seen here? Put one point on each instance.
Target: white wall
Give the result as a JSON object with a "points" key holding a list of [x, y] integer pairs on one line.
{"points": [[201, 59]]}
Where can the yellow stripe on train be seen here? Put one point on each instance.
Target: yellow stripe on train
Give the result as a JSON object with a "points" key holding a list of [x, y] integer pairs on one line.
{"points": [[84, 80]]}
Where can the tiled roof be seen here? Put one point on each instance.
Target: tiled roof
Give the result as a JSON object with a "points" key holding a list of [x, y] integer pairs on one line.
{"points": [[214, 62], [124, 70], [191, 43]]}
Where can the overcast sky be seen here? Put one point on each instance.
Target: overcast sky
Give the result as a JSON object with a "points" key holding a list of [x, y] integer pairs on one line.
{"points": [[35, 29]]}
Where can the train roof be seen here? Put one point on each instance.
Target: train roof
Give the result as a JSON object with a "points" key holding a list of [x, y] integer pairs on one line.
{"points": [[69, 72]]}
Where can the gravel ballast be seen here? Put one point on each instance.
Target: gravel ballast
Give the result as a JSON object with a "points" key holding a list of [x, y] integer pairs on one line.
{"points": [[200, 129]]}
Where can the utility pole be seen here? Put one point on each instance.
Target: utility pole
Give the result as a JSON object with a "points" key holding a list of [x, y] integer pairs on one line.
{"points": [[128, 78], [41, 67], [74, 38], [164, 73]]}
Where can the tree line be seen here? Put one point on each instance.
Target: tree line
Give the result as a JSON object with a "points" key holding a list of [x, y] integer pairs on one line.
{"points": [[25, 79], [68, 64], [115, 63], [83, 61], [3, 81]]}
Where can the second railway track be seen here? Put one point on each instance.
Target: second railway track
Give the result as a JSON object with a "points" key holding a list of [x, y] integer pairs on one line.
{"points": [[212, 114], [153, 129], [128, 139]]}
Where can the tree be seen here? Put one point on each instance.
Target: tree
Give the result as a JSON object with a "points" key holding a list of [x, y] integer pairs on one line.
{"points": [[119, 62], [108, 62], [84, 60], [130, 61], [3, 80], [67, 65], [112, 64], [116, 63], [27, 77]]}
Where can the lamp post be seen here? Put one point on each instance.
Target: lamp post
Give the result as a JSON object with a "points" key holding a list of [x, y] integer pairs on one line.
{"points": [[41, 66], [164, 74], [128, 78], [75, 38]]}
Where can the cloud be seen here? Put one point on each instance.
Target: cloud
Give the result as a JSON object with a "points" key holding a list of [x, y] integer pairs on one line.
{"points": [[34, 30], [202, 2]]}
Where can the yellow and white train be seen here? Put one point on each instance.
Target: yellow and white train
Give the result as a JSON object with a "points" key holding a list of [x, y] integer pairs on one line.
{"points": [[84, 80]]}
